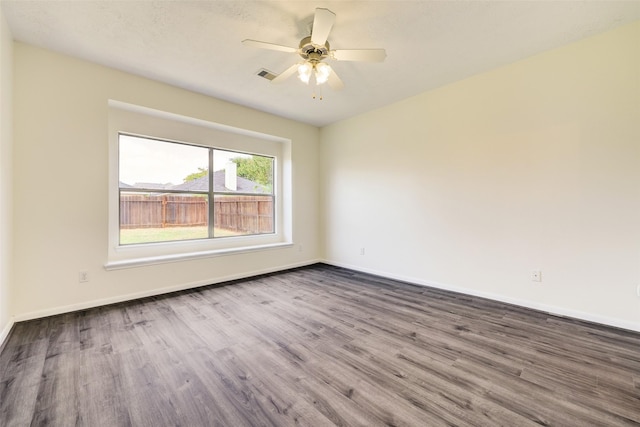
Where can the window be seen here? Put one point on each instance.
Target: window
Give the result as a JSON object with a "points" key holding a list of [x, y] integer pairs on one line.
{"points": [[183, 188], [172, 191]]}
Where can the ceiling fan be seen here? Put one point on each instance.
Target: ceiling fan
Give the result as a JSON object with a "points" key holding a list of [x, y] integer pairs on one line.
{"points": [[314, 49]]}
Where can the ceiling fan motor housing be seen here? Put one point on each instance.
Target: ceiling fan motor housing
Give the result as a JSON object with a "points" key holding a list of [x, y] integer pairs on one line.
{"points": [[312, 52]]}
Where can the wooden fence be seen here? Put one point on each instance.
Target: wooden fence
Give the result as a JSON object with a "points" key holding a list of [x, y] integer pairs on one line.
{"points": [[246, 214], [243, 214]]}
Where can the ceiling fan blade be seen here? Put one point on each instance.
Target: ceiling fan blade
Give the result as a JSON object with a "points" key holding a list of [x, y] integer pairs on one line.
{"points": [[334, 81], [322, 23], [285, 74], [365, 55], [270, 46]]}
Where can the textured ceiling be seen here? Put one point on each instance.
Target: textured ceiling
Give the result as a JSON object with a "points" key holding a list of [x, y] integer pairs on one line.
{"points": [[197, 44]]}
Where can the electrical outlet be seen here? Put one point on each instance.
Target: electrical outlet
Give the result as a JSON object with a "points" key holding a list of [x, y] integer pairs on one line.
{"points": [[83, 276], [300, 248], [638, 290], [536, 276], [361, 251]]}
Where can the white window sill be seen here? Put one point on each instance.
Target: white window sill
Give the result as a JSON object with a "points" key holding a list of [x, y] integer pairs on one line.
{"points": [[163, 259]]}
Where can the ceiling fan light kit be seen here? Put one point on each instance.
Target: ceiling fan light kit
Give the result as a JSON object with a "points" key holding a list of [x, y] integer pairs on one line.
{"points": [[322, 72], [314, 49], [304, 72]]}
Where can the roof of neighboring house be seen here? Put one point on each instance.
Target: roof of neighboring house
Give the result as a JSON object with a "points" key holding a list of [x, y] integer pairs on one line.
{"points": [[202, 184], [153, 185], [198, 184]]}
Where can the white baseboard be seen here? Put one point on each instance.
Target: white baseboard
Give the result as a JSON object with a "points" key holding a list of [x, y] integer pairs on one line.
{"points": [[5, 331], [154, 292], [551, 309]]}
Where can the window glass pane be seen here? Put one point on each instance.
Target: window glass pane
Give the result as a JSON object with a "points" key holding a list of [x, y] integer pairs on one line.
{"points": [[242, 215], [158, 217], [158, 165], [165, 195], [242, 173]]}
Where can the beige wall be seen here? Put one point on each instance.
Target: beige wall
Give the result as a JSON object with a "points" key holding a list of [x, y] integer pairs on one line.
{"points": [[6, 198], [535, 165], [61, 185]]}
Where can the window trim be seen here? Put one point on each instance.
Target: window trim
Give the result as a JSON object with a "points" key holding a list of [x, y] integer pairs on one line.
{"points": [[142, 121]]}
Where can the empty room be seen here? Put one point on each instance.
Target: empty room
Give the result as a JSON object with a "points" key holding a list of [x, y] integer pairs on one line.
{"points": [[354, 213]]}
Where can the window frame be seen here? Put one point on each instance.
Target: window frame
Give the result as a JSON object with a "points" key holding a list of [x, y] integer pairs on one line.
{"points": [[144, 122], [211, 193]]}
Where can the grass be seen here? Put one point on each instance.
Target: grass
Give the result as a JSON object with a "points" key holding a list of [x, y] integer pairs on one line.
{"points": [[146, 235]]}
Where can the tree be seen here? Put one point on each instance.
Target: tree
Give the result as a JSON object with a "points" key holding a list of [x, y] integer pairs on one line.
{"points": [[258, 169], [255, 168], [195, 175]]}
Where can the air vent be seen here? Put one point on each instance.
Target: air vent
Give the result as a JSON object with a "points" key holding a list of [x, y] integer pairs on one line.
{"points": [[266, 74]]}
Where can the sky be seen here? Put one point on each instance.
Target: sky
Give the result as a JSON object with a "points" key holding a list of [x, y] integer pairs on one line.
{"points": [[147, 160]]}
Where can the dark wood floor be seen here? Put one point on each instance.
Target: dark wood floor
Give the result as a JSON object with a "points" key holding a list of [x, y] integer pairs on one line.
{"points": [[317, 346]]}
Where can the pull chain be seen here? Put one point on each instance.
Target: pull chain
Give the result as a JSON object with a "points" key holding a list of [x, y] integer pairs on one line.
{"points": [[313, 93]]}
